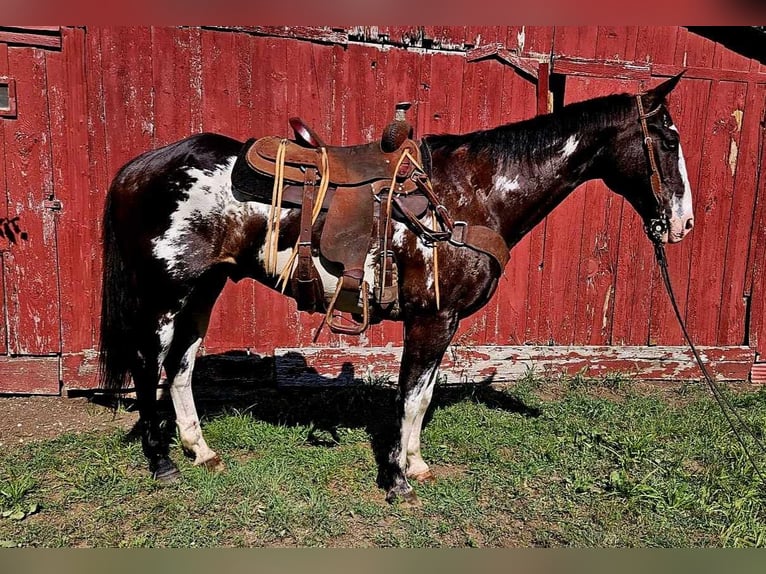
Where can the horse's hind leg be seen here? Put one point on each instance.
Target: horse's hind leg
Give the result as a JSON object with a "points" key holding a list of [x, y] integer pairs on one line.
{"points": [[146, 374], [190, 328]]}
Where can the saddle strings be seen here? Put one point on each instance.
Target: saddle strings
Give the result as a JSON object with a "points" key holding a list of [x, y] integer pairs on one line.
{"points": [[389, 199], [275, 212]]}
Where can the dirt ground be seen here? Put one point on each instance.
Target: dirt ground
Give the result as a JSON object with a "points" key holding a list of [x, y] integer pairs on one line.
{"points": [[26, 419], [29, 418]]}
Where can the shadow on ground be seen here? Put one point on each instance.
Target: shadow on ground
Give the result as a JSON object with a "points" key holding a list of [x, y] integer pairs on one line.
{"points": [[285, 391]]}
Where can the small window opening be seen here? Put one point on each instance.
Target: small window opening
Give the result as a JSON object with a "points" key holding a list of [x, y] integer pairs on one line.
{"points": [[7, 97]]}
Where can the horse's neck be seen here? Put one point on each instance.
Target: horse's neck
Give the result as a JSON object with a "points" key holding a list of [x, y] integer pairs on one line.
{"points": [[527, 189]]}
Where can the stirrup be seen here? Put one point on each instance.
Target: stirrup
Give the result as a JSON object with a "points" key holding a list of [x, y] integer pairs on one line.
{"points": [[355, 328]]}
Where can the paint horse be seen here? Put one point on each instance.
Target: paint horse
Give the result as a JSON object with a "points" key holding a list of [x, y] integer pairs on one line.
{"points": [[174, 233]]}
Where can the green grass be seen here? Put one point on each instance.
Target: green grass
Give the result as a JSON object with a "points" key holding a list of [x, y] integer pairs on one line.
{"points": [[603, 464]]}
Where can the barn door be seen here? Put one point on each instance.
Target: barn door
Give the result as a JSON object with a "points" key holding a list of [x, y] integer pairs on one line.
{"points": [[30, 333]]}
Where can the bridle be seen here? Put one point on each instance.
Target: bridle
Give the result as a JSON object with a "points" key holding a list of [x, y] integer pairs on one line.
{"points": [[658, 226]]}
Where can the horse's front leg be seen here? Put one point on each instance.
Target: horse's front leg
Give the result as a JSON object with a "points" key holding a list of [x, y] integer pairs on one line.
{"points": [[425, 341]]}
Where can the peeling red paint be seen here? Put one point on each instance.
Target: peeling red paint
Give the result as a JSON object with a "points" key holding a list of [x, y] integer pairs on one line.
{"points": [[584, 277]]}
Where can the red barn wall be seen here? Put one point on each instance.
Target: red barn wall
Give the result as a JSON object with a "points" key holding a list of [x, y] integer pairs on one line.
{"points": [[584, 277]]}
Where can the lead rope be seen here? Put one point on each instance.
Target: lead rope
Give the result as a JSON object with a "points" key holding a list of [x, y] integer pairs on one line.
{"points": [[725, 405]]}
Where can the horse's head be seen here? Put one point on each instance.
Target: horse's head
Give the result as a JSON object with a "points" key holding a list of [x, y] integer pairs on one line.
{"points": [[648, 167]]}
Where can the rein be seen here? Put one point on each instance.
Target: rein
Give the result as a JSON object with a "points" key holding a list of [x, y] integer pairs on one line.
{"points": [[725, 405], [655, 230]]}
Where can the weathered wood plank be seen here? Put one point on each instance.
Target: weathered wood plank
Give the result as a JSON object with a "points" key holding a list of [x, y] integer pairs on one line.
{"points": [[329, 365], [172, 81], [743, 163], [77, 235], [656, 44], [755, 287], [336, 365], [715, 194], [79, 370], [616, 43], [29, 375], [30, 263], [758, 373], [4, 243], [312, 33], [599, 69], [31, 36]]}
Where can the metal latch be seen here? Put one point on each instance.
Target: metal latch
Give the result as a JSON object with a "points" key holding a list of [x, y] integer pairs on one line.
{"points": [[53, 204]]}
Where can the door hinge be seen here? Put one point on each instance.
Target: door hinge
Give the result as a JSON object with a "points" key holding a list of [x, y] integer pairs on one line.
{"points": [[53, 204]]}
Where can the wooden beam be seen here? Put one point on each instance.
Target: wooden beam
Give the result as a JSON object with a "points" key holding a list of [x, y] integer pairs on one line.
{"points": [[601, 69], [37, 36], [500, 364], [645, 71], [670, 70], [331, 366], [528, 66], [29, 375], [321, 34]]}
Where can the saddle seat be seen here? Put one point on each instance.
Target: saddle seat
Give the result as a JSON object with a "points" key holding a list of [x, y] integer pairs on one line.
{"points": [[349, 166]]}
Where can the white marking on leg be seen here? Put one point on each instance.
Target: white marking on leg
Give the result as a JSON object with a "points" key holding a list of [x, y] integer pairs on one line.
{"points": [[187, 419], [415, 407]]}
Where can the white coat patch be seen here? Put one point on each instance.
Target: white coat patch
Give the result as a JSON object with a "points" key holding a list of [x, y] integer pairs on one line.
{"points": [[569, 147], [505, 184], [209, 197]]}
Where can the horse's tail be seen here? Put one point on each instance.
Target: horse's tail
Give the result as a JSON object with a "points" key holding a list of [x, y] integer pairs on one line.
{"points": [[118, 305]]}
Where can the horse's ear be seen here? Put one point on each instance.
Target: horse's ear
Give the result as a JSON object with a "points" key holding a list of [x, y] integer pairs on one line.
{"points": [[657, 94]]}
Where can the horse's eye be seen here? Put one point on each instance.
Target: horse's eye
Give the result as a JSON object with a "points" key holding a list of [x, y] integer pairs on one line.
{"points": [[670, 144]]}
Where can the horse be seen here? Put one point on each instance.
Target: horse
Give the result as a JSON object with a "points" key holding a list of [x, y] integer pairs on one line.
{"points": [[174, 233]]}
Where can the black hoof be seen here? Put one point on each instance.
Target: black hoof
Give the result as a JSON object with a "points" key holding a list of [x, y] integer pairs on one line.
{"points": [[166, 472]]}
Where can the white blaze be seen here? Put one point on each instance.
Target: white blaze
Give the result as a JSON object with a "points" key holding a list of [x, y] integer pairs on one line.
{"points": [[681, 207]]}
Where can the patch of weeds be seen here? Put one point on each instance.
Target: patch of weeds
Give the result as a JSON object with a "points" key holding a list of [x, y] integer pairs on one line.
{"points": [[373, 380], [577, 382], [527, 385], [14, 493], [615, 381]]}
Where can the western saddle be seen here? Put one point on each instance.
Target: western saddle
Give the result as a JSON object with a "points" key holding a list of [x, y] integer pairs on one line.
{"points": [[360, 189]]}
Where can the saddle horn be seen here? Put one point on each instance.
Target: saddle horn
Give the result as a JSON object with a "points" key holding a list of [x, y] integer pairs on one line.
{"points": [[395, 133]]}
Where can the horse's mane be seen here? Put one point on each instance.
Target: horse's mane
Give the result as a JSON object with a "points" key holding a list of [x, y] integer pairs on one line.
{"points": [[532, 136]]}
